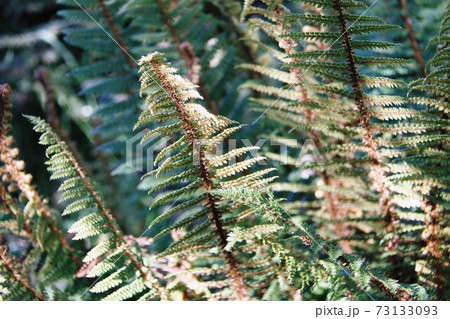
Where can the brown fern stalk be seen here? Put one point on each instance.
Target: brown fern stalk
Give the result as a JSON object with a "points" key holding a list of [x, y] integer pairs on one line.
{"points": [[9, 264], [377, 170], [116, 33], [211, 201], [43, 76], [406, 16], [187, 57], [15, 168], [288, 45]]}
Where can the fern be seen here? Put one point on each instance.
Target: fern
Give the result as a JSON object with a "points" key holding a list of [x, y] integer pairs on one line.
{"points": [[328, 79], [112, 250], [356, 210], [364, 277], [12, 285], [27, 213], [196, 40], [417, 182], [169, 97]]}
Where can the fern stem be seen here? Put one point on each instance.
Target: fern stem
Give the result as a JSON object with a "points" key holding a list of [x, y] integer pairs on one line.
{"points": [[187, 58], [216, 214], [116, 32], [376, 166], [15, 169], [406, 16], [16, 274], [43, 76], [289, 48]]}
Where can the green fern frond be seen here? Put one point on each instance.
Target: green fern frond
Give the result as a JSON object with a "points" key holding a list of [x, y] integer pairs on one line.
{"points": [[200, 130], [270, 209], [85, 198]]}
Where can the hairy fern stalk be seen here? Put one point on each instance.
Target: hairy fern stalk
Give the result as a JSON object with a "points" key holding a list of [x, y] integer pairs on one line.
{"points": [[218, 210]]}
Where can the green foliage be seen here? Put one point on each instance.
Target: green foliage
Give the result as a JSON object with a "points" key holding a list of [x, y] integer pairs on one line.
{"points": [[351, 266], [193, 176], [336, 190], [416, 174], [113, 257], [374, 152]]}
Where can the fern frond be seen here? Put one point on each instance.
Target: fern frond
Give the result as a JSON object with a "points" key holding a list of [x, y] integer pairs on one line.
{"points": [[200, 130], [62, 164], [268, 207]]}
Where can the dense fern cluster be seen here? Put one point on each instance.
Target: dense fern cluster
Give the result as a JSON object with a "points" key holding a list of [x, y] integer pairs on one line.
{"points": [[362, 217]]}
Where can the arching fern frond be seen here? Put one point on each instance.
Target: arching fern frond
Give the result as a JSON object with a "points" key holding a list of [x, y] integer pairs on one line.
{"points": [[188, 172], [120, 263]]}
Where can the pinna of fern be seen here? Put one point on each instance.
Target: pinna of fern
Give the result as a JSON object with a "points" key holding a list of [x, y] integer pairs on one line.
{"points": [[118, 265]]}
